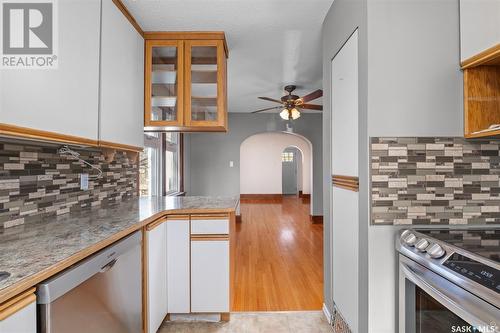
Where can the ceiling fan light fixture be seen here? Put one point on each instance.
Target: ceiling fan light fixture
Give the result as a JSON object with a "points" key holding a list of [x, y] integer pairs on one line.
{"points": [[295, 113], [284, 114]]}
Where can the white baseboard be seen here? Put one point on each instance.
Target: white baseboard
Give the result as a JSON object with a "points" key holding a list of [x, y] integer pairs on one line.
{"points": [[327, 314]]}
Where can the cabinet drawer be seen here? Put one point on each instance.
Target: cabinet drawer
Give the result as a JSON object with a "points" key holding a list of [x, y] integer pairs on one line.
{"points": [[209, 226]]}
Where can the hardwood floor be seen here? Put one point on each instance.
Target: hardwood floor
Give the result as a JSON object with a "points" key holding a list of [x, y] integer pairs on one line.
{"points": [[279, 257]]}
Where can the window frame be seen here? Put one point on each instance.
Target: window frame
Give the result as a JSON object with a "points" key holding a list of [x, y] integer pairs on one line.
{"points": [[180, 166], [160, 169]]}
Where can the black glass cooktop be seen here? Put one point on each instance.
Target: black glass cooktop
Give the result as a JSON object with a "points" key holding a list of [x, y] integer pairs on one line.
{"points": [[485, 243]]}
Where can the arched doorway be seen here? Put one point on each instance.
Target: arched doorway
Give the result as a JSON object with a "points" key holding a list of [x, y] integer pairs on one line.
{"points": [[261, 166], [279, 265]]}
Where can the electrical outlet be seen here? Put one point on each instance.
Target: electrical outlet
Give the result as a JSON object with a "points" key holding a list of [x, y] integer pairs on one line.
{"points": [[231, 164], [84, 181]]}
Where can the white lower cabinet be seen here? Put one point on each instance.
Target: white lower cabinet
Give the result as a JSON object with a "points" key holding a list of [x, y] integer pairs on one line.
{"points": [[157, 276], [20, 321], [178, 265], [209, 276]]}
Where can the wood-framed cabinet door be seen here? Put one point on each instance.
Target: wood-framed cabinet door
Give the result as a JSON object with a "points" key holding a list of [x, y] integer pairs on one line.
{"points": [[156, 276], [205, 84], [164, 83]]}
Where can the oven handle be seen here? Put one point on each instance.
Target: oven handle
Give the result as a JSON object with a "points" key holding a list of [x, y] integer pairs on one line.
{"points": [[465, 305]]}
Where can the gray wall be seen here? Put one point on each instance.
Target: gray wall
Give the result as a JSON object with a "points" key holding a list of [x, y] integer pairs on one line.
{"points": [[415, 89], [207, 155], [410, 85], [341, 21]]}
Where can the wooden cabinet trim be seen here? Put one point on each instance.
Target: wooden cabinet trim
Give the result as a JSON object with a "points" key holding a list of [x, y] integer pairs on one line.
{"points": [[350, 183], [188, 35], [121, 6], [178, 217], [489, 56], [155, 224], [34, 134], [119, 146], [209, 216], [17, 303], [18, 132]]}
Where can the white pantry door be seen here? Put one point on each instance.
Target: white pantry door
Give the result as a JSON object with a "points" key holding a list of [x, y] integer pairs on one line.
{"points": [[345, 162]]}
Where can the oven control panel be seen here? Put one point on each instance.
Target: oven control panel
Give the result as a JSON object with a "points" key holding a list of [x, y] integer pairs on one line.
{"points": [[474, 270]]}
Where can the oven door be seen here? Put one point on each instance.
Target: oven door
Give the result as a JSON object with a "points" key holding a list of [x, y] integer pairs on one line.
{"points": [[431, 303]]}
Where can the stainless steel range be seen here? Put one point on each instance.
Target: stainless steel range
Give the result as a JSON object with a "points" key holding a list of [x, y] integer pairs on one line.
{"points": [[449, 280]]}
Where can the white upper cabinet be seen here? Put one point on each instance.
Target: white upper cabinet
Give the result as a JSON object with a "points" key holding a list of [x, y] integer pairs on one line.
{"points": [[122, 79], [479, 26], [62, 100]]}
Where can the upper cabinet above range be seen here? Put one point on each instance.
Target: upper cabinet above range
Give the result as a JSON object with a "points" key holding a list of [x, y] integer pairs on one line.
{"points": [[479, 27], [185, 83]]}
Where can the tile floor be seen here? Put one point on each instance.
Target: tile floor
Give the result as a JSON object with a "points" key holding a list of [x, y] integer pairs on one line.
{"points": [[263, 322]]}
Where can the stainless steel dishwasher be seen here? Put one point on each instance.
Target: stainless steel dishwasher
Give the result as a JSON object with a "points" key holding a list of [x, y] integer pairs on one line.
{"points": [[101, 294]]}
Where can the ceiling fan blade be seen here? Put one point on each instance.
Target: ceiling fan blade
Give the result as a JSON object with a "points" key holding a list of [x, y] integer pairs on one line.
{"points": [[311, 106], [268, 109], [271, 100], [309, 97]]}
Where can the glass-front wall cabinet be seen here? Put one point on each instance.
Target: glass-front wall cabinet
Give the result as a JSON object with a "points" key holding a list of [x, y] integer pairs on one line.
{"points": [[164, 102], [206, 93], [185, 85]]}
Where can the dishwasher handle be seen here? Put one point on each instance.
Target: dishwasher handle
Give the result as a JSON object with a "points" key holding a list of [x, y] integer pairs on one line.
{"points": [[101, 262], [108, 266]]}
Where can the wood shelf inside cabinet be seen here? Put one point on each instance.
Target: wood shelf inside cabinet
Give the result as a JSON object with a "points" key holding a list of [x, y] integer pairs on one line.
{"points": [[203, 76], [204, 101]]}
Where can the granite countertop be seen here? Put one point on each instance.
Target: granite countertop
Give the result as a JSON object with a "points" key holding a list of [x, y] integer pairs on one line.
{"points": [[35, 251]]}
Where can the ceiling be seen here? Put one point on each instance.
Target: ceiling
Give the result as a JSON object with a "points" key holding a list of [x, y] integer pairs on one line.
{"points": [[271, 42]]}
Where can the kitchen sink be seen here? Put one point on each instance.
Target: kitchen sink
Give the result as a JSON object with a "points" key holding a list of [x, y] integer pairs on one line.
{"points": [[4, 275]]}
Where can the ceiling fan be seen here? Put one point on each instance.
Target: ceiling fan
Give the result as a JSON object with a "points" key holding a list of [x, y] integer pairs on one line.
{"points": [[293, 105]]}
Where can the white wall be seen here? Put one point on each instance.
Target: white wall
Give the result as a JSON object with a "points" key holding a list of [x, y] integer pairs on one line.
{"points": [[260, 162]]}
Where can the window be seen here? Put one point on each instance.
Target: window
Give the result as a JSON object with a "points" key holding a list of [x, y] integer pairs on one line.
{"points": [[287, 156], [172, 157], [161, 164]]}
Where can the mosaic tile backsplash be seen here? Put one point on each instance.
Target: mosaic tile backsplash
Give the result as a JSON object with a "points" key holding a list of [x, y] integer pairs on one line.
{"points": [[35, 181], [435, 181]]}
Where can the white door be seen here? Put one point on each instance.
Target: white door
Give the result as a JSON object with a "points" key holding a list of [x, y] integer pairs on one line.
{"points": [[210, 276], [178, 263], [345, 220], [157, 276], [122, 79], [62, 100]]}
